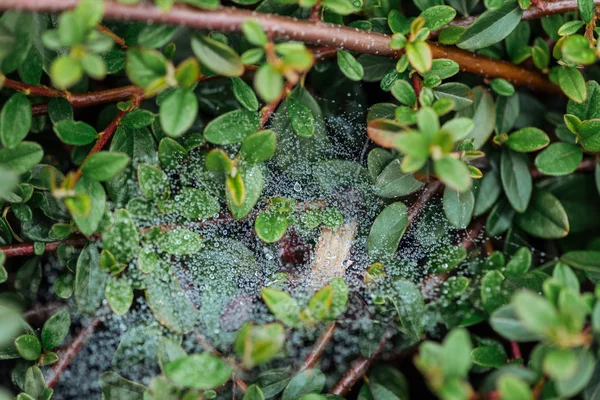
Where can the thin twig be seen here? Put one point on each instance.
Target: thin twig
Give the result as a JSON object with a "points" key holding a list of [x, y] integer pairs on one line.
{"points": [[285, 28], [424, 198], [43, 311], [515, 350], [358, 369], [71, 350], [319, 347], [26, 249], [116, 38]]}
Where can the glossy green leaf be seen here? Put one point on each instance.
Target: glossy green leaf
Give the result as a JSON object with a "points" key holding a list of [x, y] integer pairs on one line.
{"points": [[104, 165], [545, 217], [217, 56], [199, 371], [77, 133], [15, 120], [559, 159], [516, 179], [491, 27], [387, 230]]}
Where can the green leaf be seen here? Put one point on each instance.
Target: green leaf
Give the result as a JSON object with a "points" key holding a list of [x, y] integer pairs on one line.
{"points": [[576, 49], [489, 356], [65, 72], [254, 32], [88, 224], [349, 66], [253, 393], [453, 172], [271, 226], [308, 381], [232, 127], [89, 280], [137, 119], [115, 387], [15, 120], [419, 55], [572, 83], [502, 87], [587, 260], [55, 330], [119, 295], [197, 204], [589, 135], [456, 357], [180, 242], [236, 192], [545, 217], [584, 369], [218, 57], [458, 128], [282, 305], [29, 347], [252, 177], [77, 133], [258, 147], [404, 92], [104, 165], [536, 312], [153, 181], [586, 9], [244, 94], [268, 83], [458, 207], [387, 230], [516, 179], [491, 27], [410, 305], [527, 140], [487, 193], [513, 387], [506, 322], [122, 238], [392, 182], [559, 159], [257, 345], [168, 302], [144, 66], [491, 291], [301, 117], [520, 262], [171, 153], [22, 157], [199, 371], [437, 17], [178, 112]]}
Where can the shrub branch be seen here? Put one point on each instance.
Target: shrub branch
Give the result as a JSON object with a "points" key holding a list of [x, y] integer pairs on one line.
{"points": [[285, 28]]}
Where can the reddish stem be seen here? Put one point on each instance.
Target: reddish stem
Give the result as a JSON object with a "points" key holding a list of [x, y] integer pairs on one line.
{"points": [[417, 84], [424, 198], [26, 249], [515, 349], [285, 28], [319, 347], [357, 370], [116, 38], [70, 351], [270, 108]]}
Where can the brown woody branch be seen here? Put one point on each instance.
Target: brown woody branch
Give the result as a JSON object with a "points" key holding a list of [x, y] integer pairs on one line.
{"points": [[285, 28], [26, 249]]}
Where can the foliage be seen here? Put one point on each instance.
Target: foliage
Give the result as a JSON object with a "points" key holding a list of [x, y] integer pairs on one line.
{"points": [[243, 202]]}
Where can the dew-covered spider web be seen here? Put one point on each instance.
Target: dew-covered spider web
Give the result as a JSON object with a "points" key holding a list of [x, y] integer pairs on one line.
{"points": [[203, 295]]}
